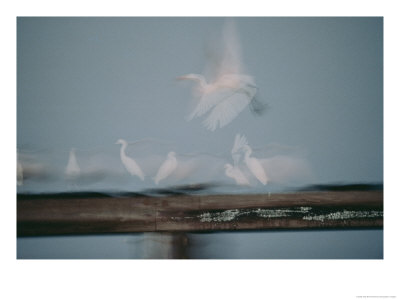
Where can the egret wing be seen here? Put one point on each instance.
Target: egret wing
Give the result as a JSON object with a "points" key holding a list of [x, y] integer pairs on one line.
{"points": [[209, 100], [240, 141], [224, 112]]}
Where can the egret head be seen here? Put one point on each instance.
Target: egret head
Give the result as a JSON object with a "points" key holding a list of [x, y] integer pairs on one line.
{"points": [[121, 141], [189, 77], [201, 81], [171, 154]]}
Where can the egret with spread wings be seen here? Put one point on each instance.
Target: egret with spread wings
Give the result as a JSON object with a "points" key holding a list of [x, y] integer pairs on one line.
{"points": [[229, 91]]}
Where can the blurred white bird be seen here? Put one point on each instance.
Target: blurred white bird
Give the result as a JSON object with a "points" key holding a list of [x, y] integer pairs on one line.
{"points": [[253, 164], [237, 149], [72, 171], [235, 173], [32, 167], [288, 169], [167, 167], [130, 165], [20, 173], [229, 91], [275, 163]]}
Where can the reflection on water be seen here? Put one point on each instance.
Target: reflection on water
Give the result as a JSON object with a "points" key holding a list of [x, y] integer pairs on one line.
{"points": [[312, 244], [307, 244]]}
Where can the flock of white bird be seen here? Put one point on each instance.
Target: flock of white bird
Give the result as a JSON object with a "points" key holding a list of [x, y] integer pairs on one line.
{"points": [[228, 94], [219, 100], [244, 165]]}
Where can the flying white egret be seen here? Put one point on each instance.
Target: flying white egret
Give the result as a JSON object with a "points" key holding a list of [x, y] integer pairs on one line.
{"points": [[235, 173], [230, 90], [130, 165], [167, 167], [72, 171]]}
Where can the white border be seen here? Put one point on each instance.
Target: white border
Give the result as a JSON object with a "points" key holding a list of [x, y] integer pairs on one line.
{"points": [[241, 279]]}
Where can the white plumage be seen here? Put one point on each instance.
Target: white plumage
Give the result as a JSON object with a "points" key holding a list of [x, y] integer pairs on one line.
{"points": [[229, 92], [167, 167], [254, 166], [235, 173], [72, 170], [20, 173], [237, 149], [130, 164]]}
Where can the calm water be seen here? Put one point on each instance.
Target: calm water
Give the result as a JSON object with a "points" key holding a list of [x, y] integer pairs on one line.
{"points": [[310, 244]]}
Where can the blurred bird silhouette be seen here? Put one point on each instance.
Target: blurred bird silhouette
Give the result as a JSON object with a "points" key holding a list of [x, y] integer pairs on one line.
{"points": [[20, 173], [242, 148], [72, 170], [30, 167], [130, 164], [235, 173], [92, 168], [189, 169], [168, 166], [254, 165], [229, 90], [274, 163]]}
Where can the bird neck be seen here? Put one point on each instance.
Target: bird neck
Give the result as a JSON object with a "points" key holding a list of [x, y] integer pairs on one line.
{"points": [[72, 157], [201, 81], [122, 150]]}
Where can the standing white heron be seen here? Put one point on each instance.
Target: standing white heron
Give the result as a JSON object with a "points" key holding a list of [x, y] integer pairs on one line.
{"points": [[72, 170], [254, 165], [230, 91], [130, 164], [167, 167]]}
